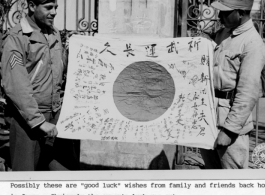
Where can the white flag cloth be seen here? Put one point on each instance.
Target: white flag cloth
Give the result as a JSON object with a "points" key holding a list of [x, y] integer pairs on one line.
{"points": [[140, 90]]}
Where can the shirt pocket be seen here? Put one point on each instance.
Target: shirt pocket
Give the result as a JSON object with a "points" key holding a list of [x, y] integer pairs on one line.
{"points": [[57, 64], [58, 56], [229, 61]]}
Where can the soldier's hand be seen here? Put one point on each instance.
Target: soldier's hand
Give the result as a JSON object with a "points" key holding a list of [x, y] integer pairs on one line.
{"points": [[49, 129], [225, 138]]}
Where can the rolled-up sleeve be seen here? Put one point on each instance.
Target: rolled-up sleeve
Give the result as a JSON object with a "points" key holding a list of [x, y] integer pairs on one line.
{"points": [[247, 89], [16, 81]]}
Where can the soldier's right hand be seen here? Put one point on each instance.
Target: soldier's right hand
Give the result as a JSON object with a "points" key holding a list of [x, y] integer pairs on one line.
{"points": [[49, 129]]}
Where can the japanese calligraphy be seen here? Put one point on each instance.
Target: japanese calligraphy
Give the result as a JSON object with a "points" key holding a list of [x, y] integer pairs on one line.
{"points": [[172, 47], [142, 91], [193, 44], [106, 49], [150, 51], [129, 50]]}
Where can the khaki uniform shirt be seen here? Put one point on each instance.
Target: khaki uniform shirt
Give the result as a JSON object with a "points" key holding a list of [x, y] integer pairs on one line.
{"points": [[238, 61], [32, 69]]}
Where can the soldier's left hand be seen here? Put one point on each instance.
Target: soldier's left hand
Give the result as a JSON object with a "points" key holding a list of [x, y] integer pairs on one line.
{"points": [[224, 139]]}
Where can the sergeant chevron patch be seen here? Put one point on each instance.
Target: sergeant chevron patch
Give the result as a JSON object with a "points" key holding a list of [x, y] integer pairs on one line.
{"points": [[15, 60]]}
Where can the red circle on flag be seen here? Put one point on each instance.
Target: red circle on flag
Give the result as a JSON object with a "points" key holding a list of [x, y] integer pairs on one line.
{"points": [[143, 91]]}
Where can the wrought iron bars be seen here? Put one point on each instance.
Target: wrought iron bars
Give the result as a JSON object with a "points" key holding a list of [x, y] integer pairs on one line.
{"points": [[85, 26], [89, 26], [199, 18]]}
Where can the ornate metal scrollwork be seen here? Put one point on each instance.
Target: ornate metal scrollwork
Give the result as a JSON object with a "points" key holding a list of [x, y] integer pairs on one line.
{"points": [[94, 27], [14, 14], [202, 18], [87, 27], [11, 14], [83, 25], [18, 9]]}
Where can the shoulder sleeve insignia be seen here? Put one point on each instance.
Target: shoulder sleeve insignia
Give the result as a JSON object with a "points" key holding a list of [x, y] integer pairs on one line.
{"points": [[15, 60]]}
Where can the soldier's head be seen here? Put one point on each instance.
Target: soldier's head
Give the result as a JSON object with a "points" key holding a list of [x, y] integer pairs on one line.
{"points": [[42, 12], [233, 12]]}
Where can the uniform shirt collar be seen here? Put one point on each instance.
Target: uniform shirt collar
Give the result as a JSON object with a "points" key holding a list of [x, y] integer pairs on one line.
{"points": [[243, 28], [28, 25]]}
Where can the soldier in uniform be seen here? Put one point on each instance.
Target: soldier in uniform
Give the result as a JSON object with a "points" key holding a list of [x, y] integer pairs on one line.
{"points": [[32, 70], [238, 61]]}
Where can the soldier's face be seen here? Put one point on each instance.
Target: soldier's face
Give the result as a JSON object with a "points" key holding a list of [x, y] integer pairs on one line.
{"points": [[45, 13], [230, 19]]}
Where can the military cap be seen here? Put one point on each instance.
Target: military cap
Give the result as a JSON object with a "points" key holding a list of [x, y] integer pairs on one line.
{"points": [[228, 5]]}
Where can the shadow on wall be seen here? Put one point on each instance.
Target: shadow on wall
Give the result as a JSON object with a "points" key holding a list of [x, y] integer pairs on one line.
{"points": [[160, 162]]}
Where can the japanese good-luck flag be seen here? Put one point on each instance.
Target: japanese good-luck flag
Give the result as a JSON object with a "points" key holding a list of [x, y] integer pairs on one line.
{"points": [[140, 90]]}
